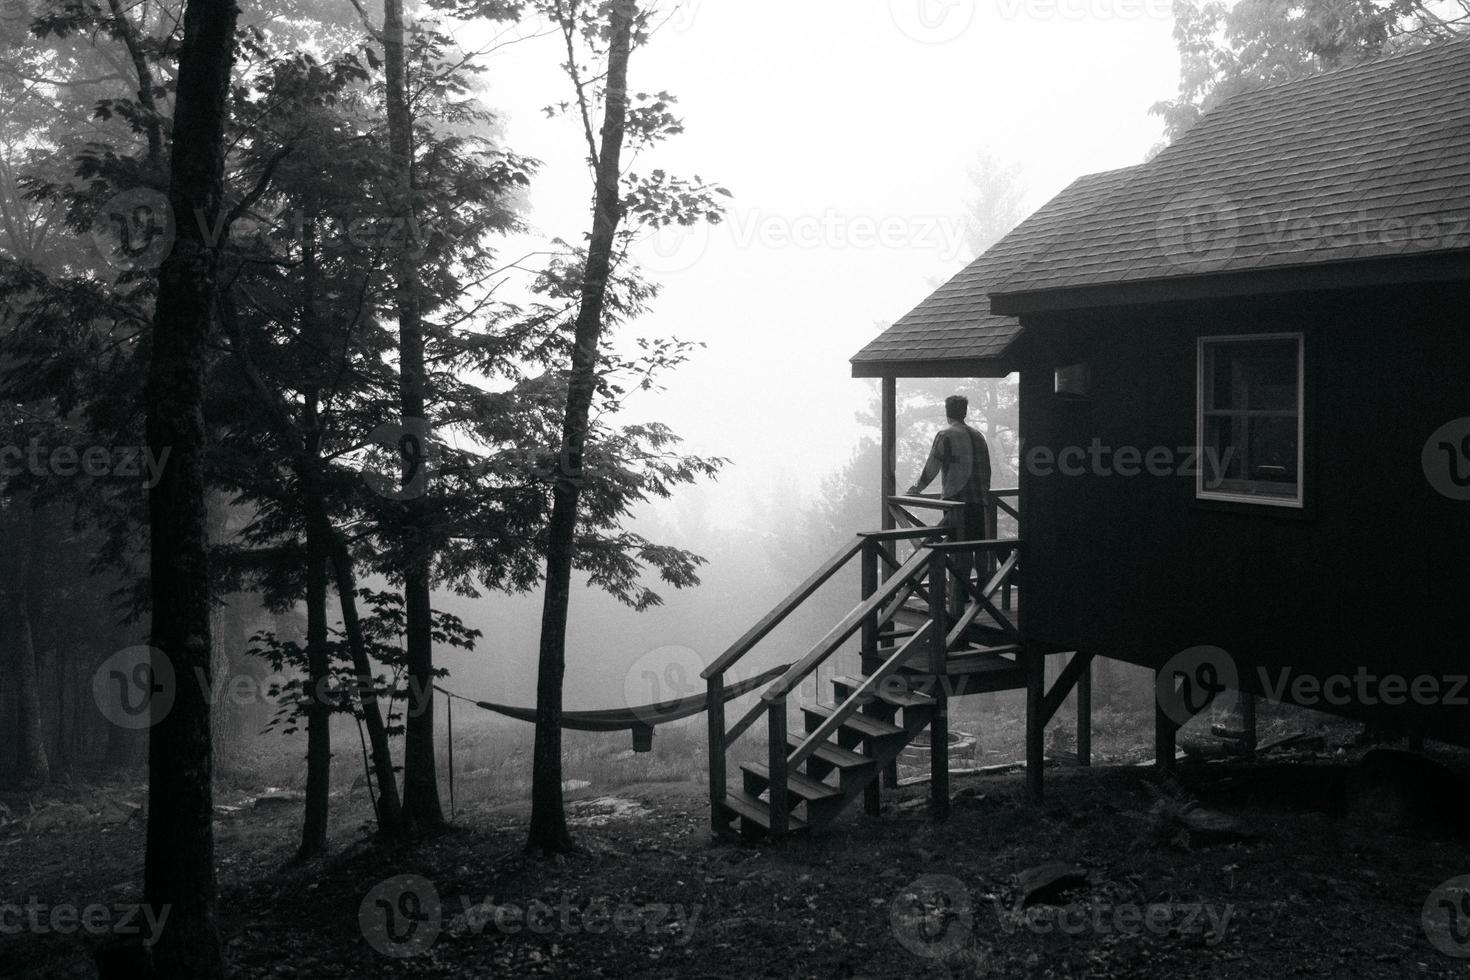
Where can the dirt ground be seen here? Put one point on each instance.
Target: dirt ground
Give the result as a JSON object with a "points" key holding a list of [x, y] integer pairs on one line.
{"points": [[1253, 883]]}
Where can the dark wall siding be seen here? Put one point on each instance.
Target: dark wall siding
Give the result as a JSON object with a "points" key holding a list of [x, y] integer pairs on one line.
{"points": [[1375, 571]]}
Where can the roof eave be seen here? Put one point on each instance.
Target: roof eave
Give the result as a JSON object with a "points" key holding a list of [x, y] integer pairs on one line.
{"points": [[949, 367], [1395, 270]]}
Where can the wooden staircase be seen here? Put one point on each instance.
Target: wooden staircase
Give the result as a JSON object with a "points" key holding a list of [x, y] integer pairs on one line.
{"points": [[915, 655]]}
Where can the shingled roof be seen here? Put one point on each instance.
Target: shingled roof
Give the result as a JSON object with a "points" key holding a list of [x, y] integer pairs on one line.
{"points": [[955, 323], [1364, 163]]}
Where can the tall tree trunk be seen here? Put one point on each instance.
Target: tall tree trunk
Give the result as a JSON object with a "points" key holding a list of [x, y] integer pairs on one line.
{"points": [[548, 832], [318, 658], [306, 462], [34, 766], [318, 709], [421, 805], [390, 811], [178, 874]]}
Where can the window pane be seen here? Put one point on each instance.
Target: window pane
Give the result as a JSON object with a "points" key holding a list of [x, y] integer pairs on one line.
{"points": [[1250, 455], [1253, 375]]}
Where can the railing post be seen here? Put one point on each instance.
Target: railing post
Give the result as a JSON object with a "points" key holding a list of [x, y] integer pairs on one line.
{"points": [[938, 610], [716, 719], [1084, 716], [777, 765], [938, 655], [869, 586]]}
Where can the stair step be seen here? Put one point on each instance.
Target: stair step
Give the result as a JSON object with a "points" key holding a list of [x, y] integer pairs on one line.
{"points": [[859, 723], [883, 692], [799, 784], [839, 758], [747, 807]]}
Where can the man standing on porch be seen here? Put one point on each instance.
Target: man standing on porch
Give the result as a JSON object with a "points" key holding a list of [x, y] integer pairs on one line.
{"points": [[961, 458]]}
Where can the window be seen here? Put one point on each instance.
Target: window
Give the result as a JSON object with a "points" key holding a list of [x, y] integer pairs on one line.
{"points": [[1250, 419]]}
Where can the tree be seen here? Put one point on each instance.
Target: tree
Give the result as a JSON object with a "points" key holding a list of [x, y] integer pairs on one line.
{"points": [[421, 805], [179, 876], [548, 816], [1229, 48]]}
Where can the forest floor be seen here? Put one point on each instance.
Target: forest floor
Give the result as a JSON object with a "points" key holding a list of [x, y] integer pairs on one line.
{"points": [[1283, 877]]}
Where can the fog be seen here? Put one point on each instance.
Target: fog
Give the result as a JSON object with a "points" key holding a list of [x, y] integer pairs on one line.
{"points": [[847, 133]]}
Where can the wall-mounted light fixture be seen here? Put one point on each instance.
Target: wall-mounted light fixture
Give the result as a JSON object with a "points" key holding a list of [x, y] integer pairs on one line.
{"points": [[1074, 381]]}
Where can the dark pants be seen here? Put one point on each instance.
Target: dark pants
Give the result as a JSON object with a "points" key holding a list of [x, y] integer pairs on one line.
{"points": [[970, 523]]}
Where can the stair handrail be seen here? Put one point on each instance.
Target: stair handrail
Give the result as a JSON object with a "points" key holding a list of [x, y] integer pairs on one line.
{"points": [[714, 675], [860, 696], [915, 567]]}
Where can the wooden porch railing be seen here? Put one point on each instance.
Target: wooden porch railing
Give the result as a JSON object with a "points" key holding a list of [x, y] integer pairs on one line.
{"points": [[931, 571]]}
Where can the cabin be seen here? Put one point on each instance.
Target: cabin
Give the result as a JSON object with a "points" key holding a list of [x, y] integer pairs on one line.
{"points": [[1244, 374]]}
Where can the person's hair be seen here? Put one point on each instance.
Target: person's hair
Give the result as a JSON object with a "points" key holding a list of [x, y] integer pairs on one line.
{"points": [[956, 407]]}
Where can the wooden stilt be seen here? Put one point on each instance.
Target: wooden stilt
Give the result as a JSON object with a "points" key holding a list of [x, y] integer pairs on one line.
{"points": [[1084, 717], [888, 461], [1164, 735], [1248, 722], [1035, 724]]}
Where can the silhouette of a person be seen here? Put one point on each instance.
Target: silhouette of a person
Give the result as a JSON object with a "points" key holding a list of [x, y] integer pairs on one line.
{"points": [[960, 458]]}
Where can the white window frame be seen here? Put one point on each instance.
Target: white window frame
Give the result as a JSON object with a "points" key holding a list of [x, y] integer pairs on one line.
{"points": [[1261, 500]]}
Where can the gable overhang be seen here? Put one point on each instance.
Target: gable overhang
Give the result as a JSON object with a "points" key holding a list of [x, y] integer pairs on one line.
{"points": [[945, 367], [1400, 270]]}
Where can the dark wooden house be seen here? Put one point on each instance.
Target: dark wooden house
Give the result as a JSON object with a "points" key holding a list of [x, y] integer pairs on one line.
{"points": [[1245, 421]]}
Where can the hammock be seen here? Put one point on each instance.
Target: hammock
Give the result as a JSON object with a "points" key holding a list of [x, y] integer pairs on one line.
{"points": [[640, 720]]}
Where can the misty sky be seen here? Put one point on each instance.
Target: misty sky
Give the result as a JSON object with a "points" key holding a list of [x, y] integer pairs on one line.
{"points": [[846, 130]]}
